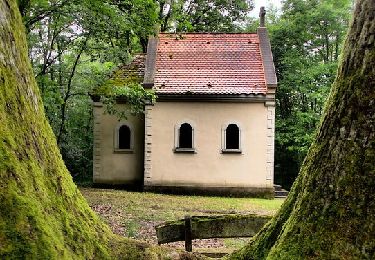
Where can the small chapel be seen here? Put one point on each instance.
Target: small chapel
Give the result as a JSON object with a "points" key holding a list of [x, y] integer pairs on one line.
{"points": [[212, 127]]}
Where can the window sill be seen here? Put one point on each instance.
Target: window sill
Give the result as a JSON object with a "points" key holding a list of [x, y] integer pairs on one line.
{"points": [[123, 151], [236, 151], [184, 150]]}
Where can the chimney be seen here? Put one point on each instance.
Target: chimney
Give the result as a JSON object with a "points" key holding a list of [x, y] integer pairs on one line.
{"points": [[262, 15]]}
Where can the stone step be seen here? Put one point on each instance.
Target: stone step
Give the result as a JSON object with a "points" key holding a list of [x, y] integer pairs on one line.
{"points": [[277, 187], [281, 193]]}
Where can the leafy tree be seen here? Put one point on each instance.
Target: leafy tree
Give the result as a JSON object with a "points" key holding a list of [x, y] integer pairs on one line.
{"points": [[74, 48], [203, 16], [76, 144], [329, 212], [142, 18], [306, 42]]}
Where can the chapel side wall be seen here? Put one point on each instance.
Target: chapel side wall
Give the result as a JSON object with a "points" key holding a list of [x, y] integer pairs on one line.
{"points": [[112, 166], [208, 167]]}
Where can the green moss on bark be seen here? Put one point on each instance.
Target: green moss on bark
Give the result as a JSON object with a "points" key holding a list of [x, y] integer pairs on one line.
{"points": [[329, 212], [42, 212]]}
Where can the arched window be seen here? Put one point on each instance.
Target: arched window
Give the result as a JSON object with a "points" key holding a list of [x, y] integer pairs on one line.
{"points": [[232, 137], [124, 137], [185, 138]]}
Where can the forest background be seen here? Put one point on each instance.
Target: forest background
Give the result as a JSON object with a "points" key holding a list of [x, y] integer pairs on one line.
{"points": [[75, 45]]}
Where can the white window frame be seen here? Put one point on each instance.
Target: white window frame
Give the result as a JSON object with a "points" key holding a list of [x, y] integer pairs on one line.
{"points": [[224, 149], [177, 127]]}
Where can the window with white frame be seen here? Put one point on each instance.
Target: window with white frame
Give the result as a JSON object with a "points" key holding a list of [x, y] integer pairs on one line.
{"points": [[184, 141], [231, 136]]}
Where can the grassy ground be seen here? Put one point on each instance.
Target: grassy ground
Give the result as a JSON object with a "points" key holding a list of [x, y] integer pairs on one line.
{"points": [[134, 214]]}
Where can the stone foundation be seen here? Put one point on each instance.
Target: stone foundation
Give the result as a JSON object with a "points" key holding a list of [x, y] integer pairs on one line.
{"points": [[254, 192], [129, 186]]}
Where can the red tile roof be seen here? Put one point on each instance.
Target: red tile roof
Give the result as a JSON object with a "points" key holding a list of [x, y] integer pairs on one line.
{"points": [[209, 63]]}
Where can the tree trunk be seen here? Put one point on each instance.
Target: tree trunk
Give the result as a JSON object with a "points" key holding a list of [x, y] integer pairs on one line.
{"points": [[42, 213], [330, 211]]}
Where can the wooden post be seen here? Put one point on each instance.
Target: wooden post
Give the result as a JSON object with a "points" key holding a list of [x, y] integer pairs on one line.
{"points": [[188, 234]]}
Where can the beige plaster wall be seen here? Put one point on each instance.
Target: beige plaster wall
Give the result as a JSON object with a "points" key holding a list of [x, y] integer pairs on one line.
{"points": [[208, 166], [111, 165]]}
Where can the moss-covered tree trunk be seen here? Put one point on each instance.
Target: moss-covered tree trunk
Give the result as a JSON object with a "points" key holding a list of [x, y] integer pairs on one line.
{"points": [[42, 213], [330, 212]]}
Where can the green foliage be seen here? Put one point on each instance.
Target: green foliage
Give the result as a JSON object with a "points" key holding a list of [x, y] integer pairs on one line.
{"points": [[133, 94], [203, 16], [74, 47], [76, 136], [306, 41]]}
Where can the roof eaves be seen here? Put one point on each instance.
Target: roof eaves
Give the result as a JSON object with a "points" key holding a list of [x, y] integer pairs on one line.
{"points": [[214, 97]]}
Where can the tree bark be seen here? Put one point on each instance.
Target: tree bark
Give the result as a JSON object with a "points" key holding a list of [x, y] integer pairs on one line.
{"points": [[42, 213], [329, 213]]}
